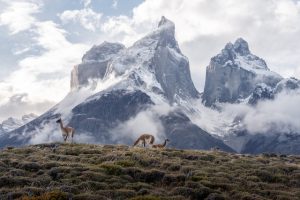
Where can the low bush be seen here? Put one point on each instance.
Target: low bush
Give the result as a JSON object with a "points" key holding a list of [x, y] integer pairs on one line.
{"points": [[112, 169], [81, 171], [57, 195]]}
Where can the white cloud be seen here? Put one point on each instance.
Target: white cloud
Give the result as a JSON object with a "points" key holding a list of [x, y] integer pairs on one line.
{"points": [[115, 4], [19, 104], [44, 77], [281, 114], [132, 129], [203, 27], [18, 16], [86, 17], [52, 133]]}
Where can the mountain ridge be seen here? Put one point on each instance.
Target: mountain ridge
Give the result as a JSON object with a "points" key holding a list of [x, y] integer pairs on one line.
{"points": [[153, 71], [116, 91]]}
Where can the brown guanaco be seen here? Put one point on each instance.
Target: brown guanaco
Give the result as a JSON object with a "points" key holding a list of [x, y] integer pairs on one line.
{"points": [[145, 139], [66, 131], [161, 146]]}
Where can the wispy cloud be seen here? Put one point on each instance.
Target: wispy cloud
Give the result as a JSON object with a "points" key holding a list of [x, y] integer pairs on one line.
{"points": [[280, 115], [43, 77], [115, 4], [86, 17], [18, 16]]}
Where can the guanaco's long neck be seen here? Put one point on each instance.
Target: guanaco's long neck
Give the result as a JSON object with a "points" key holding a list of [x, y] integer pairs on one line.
{"points": [[61, 125]]}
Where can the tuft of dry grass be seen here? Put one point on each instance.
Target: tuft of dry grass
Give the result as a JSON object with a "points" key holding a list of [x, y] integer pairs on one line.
{"points": [[82, 171]]}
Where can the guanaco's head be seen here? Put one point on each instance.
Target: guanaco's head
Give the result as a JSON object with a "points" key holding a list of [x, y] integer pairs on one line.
{"points": [[59, 120], [167, 140]]}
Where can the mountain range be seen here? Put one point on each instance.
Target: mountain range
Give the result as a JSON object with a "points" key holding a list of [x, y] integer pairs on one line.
{"points": [[11, 123], [117, 93]]}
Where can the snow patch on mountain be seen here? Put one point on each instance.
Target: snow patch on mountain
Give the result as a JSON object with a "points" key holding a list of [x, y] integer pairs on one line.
{"points": [[287, 84], [11, 123], [233, 74]]}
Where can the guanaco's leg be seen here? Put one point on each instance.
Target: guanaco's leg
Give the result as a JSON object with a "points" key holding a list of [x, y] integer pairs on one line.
{"points": [[72, 136], [65, 138]]}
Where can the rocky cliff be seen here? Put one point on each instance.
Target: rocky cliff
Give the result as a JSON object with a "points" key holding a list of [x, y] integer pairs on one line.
{"points": [[234, 73]]}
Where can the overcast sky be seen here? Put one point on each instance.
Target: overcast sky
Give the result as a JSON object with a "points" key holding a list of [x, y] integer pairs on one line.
{"points": [[41, 40]]}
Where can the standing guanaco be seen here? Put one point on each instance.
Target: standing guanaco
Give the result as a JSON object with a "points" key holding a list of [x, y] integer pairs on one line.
{"points": [[145, 139], [161, 146], [66, 131]]}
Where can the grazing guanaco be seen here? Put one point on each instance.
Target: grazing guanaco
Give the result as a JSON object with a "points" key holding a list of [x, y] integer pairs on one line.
{"points": [[66, 131], [161, 146], [145, 139]]}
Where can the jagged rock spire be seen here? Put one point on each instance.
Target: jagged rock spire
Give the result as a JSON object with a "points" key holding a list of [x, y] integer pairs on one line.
{"points": [[241, 46], [234, 73]]}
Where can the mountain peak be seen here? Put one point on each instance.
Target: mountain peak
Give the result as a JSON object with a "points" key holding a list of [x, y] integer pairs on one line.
{"points": [[165, 22], [102, 52], [229, 46], [241, 46], [234, 73]]}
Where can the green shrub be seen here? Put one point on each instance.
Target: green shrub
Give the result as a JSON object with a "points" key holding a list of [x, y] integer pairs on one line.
{"points": [[112, 169], [151, 176], [173, 179], [125, 163], [57, 195], [89, 197], [184, 191], [30, 166], [215, 196], [147, 197]]}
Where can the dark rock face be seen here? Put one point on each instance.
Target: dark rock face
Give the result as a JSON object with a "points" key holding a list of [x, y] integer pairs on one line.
{"points": [[94, 64], [234, 73], [186, 135], [102, 113], [227, 85], [173, 74], [287, 84], [261, 92], [264, 92], [171, 67], [273, 143]]}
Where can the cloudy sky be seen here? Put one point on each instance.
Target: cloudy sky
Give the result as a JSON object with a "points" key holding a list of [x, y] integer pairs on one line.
{"points": [[41, 40]]}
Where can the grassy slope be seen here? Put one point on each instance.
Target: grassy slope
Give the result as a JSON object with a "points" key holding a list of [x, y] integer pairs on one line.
{"points": [[119, 172]]}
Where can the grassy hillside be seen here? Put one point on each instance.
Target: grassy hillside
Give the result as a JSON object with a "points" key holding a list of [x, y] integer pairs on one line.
{"points": [[80, 171]]}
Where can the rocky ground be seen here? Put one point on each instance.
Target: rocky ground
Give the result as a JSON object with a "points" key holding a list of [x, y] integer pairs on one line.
{"points": [[82, 171]]}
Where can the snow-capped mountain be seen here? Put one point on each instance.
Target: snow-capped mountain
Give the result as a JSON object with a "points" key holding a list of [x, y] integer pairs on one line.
{"points": [[154, 64], [11, 123], [261, 92], [94, 64], [118, 93], [287, 84], [234, 73]]}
